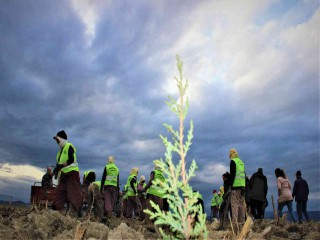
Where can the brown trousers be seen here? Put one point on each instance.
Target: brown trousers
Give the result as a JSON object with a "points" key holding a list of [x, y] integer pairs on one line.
{"points": [[143, 202], [110, 197], [95, 202], [133, 207], [237, 206], [68, 191], [124, 207], [157, 200]]}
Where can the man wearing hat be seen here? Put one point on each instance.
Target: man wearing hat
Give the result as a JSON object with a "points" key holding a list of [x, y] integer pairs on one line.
{"points": [[258, 185], [69, 186]]}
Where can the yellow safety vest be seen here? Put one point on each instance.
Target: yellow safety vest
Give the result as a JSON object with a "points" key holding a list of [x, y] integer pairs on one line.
{"points": [[62, 157]]}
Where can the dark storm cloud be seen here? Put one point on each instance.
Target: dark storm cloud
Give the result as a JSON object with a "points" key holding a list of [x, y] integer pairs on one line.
{"points": [[108, 95]]}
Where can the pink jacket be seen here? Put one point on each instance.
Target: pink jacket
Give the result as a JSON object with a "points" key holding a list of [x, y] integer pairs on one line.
{"points": [[284, 189]]}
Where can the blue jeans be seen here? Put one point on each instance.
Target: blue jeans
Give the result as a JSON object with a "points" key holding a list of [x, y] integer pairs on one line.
{"points": [[302, 208], [289, 205]]}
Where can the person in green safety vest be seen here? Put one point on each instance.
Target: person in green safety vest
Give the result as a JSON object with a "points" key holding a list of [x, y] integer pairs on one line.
{"points": [[69, 186], [110, 186], [133, 203], [214, 205], [154, 192], [94, 200], [142, 196], [237, 183]]}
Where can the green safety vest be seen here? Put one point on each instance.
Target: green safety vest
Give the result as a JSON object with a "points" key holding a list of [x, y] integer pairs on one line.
{"points": [[112, 175], [157, 190], [215, 200], [62, 157], [98, 183], [240, 178], [130, 191]]}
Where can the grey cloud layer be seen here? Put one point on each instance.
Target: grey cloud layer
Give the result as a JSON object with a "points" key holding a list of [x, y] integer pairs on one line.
{"points": [[109, 96]]}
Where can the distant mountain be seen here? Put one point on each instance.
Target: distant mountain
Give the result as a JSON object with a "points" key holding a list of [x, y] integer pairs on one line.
{"points": [[6, 199]]}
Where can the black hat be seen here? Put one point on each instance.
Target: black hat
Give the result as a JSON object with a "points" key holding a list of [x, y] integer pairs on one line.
{"points": [[61, 134], [298, 173]]}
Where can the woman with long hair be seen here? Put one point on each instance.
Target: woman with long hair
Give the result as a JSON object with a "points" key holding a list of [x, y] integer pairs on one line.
{"points": [[284, 193]]}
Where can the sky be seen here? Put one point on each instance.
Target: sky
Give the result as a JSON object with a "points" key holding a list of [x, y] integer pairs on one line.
{"points": [[102, 71]]}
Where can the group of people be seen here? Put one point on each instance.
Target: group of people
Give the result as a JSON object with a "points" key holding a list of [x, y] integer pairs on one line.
{"points": [[104, 196], [240, 195], [101, 196]]}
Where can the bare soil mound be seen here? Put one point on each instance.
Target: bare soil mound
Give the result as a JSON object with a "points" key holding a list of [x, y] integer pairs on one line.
{"points": [[27, 223]]}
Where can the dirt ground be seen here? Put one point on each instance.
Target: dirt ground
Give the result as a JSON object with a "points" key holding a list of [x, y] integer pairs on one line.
{"points": [[27, 223]]}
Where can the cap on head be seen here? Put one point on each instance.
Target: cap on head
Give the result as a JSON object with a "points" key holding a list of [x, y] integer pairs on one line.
{"points": [[214, 191], [111, 159], [260, 170], [298, 173], [62, 134], [233, 153]]}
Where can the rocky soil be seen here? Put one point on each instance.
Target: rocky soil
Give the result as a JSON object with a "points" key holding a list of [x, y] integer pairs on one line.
{"points": [[28, 223]]}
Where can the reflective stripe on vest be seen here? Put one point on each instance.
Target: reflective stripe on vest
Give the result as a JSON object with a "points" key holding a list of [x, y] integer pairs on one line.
{"points": [[112, 175], [62, 157], [240, 178], [157, 190], [130, 191]]}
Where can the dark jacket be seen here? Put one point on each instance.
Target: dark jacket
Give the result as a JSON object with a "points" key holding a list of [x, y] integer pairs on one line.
{"points": [[258, 186], [300, 189]]}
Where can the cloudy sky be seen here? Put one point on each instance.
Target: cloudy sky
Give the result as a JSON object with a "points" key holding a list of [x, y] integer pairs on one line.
{"points": [[102, 71]]}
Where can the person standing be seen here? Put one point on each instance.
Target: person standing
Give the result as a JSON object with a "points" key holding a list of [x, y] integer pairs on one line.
{"points": [[47, 179], [258, 185], [284, 193], [69, 186], [154, 192], [110, 185], [214, 205], [133, 203], [237, 183], [300, 194]]}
